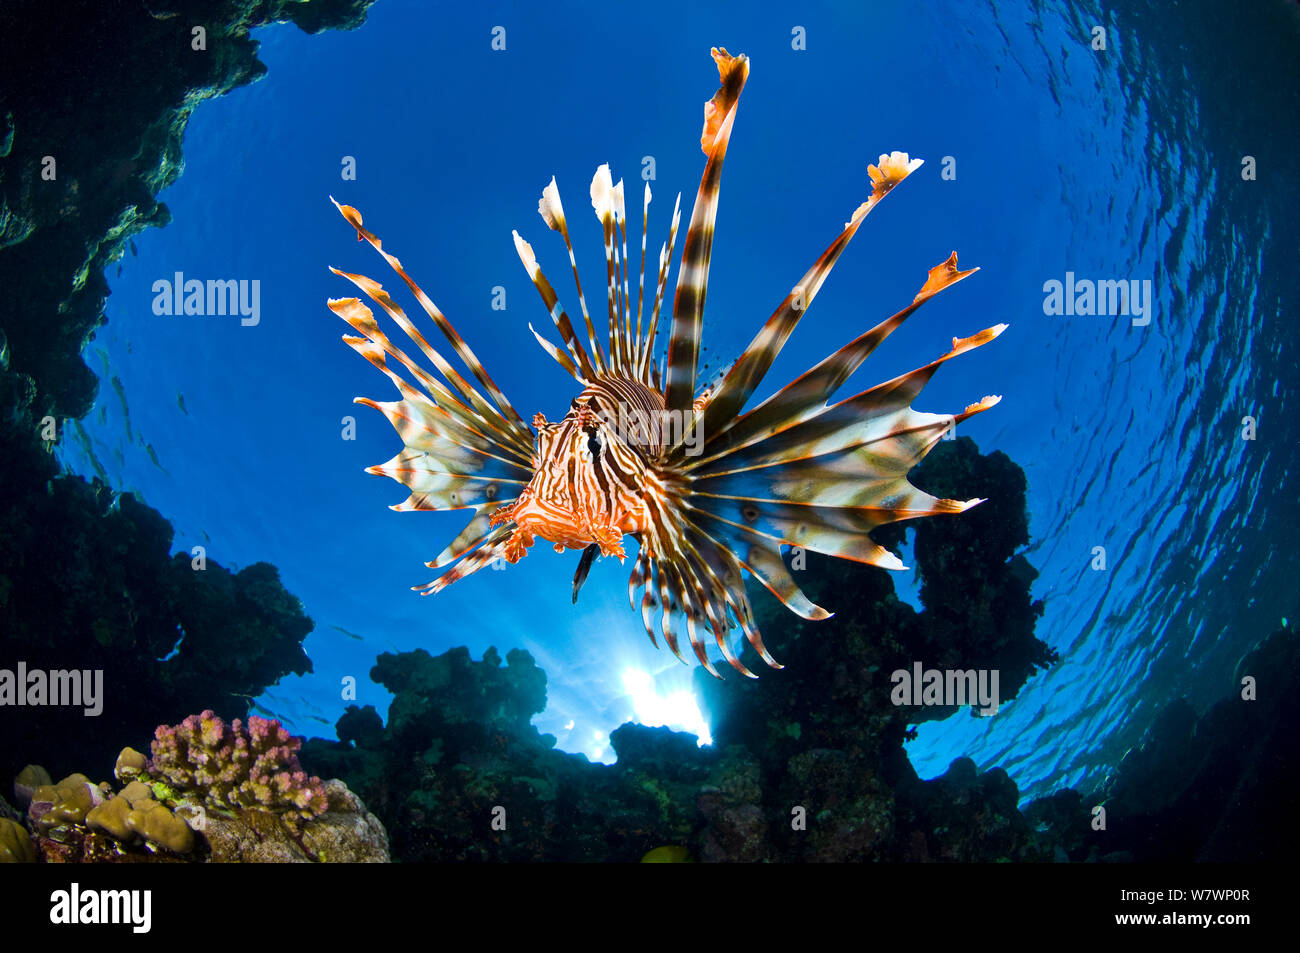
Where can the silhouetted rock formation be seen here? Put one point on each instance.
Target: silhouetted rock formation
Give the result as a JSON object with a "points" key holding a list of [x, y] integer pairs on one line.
{"points": [[807, 764], [104, 88]]}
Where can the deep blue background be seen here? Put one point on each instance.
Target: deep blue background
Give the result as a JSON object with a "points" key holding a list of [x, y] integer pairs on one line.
{"points": [[1119, 164]]}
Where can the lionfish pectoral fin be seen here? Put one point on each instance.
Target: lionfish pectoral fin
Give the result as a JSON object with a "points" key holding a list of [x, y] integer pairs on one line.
{"points": [[464, 444], [584, 567]]}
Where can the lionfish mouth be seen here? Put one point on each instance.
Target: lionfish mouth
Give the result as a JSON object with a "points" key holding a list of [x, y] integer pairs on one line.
{"points": [[709, 489]]}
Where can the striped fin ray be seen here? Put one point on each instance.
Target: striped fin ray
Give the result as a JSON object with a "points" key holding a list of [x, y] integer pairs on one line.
{"points": [[646, 369], [760, 555], [821, 477], [557, 355], [629, 342], [460, 449], [552, 212], [693, 278], [417, 419], [427, 428], [509, 415], [706, 599], [581, 365], [690, 578], [434, 488], [607, 200], [748, 370], [637, 345], [474, 533], [776, 495], [882, 413], [444, 464], [718, 582], [807, 394], [490, 547], [487, 415]]}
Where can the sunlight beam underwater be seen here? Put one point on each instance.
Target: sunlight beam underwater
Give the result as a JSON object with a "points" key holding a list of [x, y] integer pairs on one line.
{"points": [[708, 491]]}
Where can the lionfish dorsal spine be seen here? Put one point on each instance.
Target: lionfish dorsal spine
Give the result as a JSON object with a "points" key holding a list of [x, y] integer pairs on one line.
{"points": [[693, 277]]}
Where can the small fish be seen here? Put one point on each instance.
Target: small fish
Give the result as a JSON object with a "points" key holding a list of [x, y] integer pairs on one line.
{"points": [[708, 489], [350, 635], [83, 442], [126, 413], [180, 402], [153, 457], [131, 245]]}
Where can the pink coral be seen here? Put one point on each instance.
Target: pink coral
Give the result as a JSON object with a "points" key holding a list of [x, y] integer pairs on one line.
{"points": [[231, 766]]}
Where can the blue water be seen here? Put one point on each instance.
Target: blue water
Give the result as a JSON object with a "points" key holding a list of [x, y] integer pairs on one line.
{"points": [[1122, 164]]}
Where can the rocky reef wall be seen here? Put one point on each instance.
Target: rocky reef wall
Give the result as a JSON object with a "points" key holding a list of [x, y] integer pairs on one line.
{"points": [[94, 99]]}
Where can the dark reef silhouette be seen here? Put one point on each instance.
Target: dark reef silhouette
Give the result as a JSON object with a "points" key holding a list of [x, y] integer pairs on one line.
{"points": [[117, 83], [86, 576], [819, 740]]}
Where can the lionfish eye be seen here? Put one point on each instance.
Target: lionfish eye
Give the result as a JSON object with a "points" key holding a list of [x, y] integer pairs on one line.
{"points": [[593, 445]]}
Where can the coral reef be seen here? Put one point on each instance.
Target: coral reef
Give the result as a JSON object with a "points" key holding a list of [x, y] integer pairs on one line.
{"points": [[230, 766], [807, 763], [212, 793]]}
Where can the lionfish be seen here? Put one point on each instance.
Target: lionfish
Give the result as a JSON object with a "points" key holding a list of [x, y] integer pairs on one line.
{"points": [[721, 492]]}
